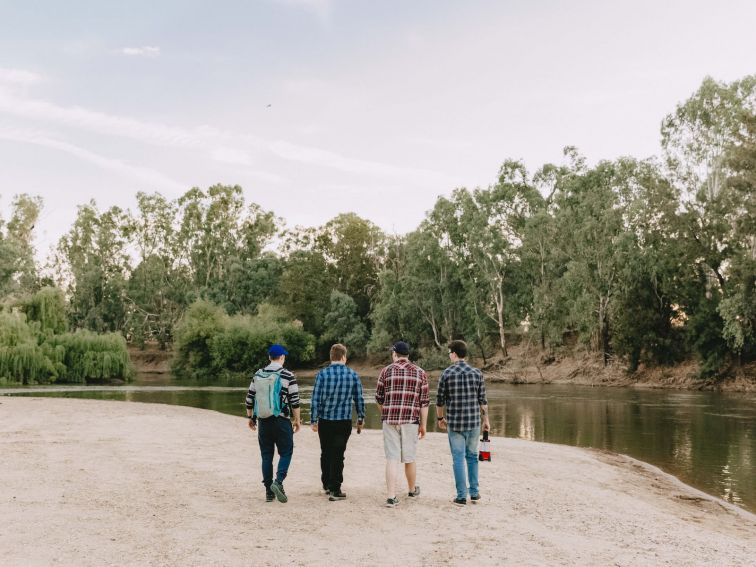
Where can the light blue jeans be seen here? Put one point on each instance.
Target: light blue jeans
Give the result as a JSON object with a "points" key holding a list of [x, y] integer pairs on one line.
{"points": [[464, 448]]}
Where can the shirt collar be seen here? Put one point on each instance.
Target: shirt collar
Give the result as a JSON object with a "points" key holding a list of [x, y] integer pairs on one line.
{"points": [[274, 366]]}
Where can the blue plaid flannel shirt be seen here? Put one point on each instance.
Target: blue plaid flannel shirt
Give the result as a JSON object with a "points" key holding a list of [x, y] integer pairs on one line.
{"points": [[336, 387], [462, 390]]}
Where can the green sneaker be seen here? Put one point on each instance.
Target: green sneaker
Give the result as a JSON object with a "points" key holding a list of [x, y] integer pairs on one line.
{"points": [[278, 490]]}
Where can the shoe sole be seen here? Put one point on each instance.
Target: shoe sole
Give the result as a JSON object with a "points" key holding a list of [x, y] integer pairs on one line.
{"points": [[474, 501], [336, 498], [460, 504], [280, 495], [390, 505]]}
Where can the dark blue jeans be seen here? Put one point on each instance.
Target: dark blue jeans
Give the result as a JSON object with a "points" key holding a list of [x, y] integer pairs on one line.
{"points": [[275, 432]]}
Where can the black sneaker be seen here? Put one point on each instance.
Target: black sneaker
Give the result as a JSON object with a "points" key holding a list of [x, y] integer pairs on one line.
{"points": [[415, 493], [475, 499], [278, 490], [336, 495], [460, 501], [269, 496], [392, 502]]}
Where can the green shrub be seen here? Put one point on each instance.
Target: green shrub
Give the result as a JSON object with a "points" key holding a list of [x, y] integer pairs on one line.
{"points": [[209, 343], [193, 334], [431, 358], [240, 347]]}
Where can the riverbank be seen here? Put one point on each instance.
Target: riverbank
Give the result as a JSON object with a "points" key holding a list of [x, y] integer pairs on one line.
{"points": [[530, 367], [110, 483]]}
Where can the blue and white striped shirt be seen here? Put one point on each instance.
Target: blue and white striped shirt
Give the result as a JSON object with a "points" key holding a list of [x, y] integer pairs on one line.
{"points": [[336, 386]]}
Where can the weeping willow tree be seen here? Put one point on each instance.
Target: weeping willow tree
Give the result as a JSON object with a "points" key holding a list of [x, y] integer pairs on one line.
{"points": [[35, 349], [89, 356], [48, 308], [22, 359]]}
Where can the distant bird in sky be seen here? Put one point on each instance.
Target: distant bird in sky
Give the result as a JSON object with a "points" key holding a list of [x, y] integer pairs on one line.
{"points": [[269, 106]]}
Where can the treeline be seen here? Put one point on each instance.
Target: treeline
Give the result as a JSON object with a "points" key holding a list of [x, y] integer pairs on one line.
{"points": [[643, 261]]}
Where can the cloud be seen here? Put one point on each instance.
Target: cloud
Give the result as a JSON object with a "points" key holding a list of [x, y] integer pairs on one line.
{"points": [[220, 145], [99, 122], [19, 76], [325, 158], [154, 179], [145, 51]]}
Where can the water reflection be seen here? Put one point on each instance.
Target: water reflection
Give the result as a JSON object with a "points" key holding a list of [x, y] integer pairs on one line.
{"points": [[706, 439]]}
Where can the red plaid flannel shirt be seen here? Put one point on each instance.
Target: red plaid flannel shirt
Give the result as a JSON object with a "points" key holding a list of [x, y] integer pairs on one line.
{"points": [[402, 390]]}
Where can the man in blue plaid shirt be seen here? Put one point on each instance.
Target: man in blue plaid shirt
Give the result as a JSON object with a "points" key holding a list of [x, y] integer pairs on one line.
{"points": [[460, 403], [336, 387]]}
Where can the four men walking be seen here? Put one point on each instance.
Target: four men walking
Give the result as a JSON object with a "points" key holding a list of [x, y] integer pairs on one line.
{"points": [[402, 395]]}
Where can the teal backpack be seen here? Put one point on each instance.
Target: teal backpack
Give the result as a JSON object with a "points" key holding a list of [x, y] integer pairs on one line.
{"points": [[267, 393]]}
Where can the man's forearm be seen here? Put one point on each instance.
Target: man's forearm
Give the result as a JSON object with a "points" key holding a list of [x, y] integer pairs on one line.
{"points": [[424, 416], [484, 411], [295, 412]]}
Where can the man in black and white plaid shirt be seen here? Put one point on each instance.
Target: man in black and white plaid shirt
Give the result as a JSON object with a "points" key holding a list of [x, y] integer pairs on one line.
{"points": [[460, 403]]}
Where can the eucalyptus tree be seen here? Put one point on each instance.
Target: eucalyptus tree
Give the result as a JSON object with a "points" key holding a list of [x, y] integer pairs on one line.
{"points": [[219, 238], [420, 296], [354, 249], [304, 288], [593, 241], [649, 307], [343, 324], [345, 254], [156, 291], [738, 308], [543, 255], [18, 269], [482, 231], [93, 265], [697, 139]]}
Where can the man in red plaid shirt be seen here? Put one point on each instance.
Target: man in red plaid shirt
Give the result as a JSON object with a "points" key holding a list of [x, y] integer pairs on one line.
{"points": [[402, 396]]}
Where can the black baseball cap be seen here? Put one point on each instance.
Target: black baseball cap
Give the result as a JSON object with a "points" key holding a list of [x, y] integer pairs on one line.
{"points": [[400, 347]]}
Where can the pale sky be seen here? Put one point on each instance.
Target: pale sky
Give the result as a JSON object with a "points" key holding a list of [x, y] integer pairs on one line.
{"points": [[317, 107]]}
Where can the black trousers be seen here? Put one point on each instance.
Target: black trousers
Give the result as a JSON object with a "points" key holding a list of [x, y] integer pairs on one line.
{"points": [[334, 435]]}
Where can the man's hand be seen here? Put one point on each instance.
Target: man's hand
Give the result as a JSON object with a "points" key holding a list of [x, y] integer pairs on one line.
{"points": [[360, 425], [442, 425], [486, 424], [314, 427], [421, 431], [252, 424], [296, 425]]}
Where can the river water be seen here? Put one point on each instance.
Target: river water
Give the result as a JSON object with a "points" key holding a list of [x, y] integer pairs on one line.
{"points": [[706, 439]]}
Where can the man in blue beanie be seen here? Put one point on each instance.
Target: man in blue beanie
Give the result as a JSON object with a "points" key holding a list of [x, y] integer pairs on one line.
{"points": [[272, 400]]}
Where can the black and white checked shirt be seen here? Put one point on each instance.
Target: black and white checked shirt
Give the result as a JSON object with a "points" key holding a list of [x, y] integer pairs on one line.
{"points": [[462, 390]]}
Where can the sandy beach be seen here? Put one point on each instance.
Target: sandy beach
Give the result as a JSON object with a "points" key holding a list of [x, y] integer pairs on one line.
{"points": [[89, 482]]}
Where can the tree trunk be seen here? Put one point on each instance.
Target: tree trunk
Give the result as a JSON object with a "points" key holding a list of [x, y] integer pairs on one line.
{"points": [[502, 335], [603, 330]]}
